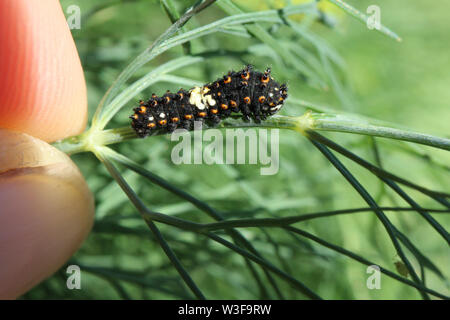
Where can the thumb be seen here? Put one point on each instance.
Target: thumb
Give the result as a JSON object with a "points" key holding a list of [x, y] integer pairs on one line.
{"points": [[46, 211]]}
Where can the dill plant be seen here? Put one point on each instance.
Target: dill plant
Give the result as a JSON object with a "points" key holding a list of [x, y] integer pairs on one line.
{"points": [[254, 243]]}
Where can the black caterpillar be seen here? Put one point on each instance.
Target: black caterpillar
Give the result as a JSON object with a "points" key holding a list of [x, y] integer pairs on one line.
{"points": [[256, 95]]}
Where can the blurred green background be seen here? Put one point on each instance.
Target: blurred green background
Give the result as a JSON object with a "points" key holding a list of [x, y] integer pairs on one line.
{"points": [[405, 83]]}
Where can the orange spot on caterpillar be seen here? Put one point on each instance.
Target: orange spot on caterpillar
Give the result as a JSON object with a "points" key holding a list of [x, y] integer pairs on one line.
{"points": [[175, 119], [151, 125], [227, 79], [261, 99], [247, 100], [188, 116], [245, 75], [162, 122], [224, 106]]}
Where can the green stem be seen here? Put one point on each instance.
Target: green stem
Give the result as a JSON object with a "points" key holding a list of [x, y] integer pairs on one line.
{"points": [[289, 220], [337, 123], [308, 122], [92, 139]]}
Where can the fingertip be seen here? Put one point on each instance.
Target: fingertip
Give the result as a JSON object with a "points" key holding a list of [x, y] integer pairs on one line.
{"points": [[42, 88]]}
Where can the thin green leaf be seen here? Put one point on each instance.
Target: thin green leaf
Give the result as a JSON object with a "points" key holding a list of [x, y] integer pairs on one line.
{"points": [[364, 261], [390, 229], [141, 208], [363, 18], [171, 11], [389, 179], [294, 282], [237, 237], [146, 56], [130, 92]]}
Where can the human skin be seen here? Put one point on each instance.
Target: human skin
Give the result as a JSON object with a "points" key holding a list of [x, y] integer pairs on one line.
{"points": [[42, 87], [46, 208]]}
